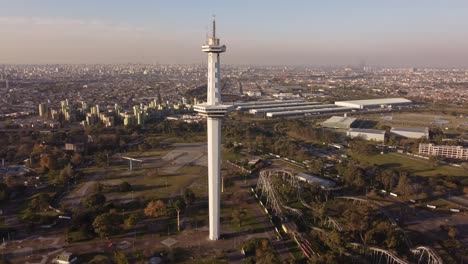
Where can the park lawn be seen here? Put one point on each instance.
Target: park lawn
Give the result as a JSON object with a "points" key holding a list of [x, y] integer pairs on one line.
{"points": [[148, 153], [231, 155], [249, 222], [164, 184], [187, 138], [200, 186], [416, 166]]}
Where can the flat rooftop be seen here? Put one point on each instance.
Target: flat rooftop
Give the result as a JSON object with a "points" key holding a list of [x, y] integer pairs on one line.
{"points": [[367, 131], [312, 105], [340, 119], [382, 101], [411, 129], [305, 112], [324, 183]]}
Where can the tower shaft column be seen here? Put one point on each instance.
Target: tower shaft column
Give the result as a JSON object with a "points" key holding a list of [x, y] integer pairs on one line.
{"points": [[214, 172], [214, 83], [214, 110]]}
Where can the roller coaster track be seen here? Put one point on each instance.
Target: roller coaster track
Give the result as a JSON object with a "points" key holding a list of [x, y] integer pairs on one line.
{"points": [[427, 255], [274, 200], [380, 255]]}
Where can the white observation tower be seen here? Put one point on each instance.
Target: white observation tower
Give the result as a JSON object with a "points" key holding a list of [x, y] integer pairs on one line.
{"points": [[214, 110]]}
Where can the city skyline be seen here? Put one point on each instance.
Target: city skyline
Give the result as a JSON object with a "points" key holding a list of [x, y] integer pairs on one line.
{"points": [[406, 34]]}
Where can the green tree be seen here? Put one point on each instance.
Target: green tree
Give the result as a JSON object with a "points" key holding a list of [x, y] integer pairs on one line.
{"points": [[132, 220], [120, 258], [76, 159], [101, 158], [125, 187], [452, 232], [144, 147], [404, 184], [4, 192], [189, 196], [95, 200], [65, 174], [264, 253], [318, 166], [49, 162], [238, 215], [40, 202], [107, 224], [354, 176]]}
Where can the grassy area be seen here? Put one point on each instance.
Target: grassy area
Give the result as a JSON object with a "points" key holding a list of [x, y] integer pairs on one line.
{"points": [[418, 167], [423, 119], [187, 138], [148, 153], [231, 155], [161, 184]]}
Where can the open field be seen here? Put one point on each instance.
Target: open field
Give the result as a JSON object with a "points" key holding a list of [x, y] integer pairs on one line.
{"points": [[416, 166], [163, 173], [418, 120]]}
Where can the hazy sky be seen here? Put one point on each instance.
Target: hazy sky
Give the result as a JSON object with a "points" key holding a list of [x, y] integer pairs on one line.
{"points": [[348, 32]]}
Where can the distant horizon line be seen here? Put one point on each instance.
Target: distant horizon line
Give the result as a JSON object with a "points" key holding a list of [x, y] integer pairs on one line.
{"points": [[248, 65]]}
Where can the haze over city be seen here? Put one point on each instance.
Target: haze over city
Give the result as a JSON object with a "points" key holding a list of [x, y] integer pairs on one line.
{"points": [[316, 33], [306, 132]]}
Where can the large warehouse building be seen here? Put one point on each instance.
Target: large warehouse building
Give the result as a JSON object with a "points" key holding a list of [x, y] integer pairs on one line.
{"points": [[302, 108], [367, 134], [244, 106], [312, 112], [339, 122], [410, 132], [263, 111], [375, 103]]}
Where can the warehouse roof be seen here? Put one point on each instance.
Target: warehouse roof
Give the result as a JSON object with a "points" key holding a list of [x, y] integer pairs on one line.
{"points": [[312, 105], [408, 129], [324, 183], [341, 120], [381, 101], [308, 112], [367, 131]]}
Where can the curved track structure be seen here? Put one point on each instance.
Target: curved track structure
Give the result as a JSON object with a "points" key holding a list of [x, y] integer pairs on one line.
{"points": [[267, 189], [331, 222], [426, 255], [380, 255]]}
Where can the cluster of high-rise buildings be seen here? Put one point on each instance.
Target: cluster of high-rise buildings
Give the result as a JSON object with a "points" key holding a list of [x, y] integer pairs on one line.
{"points": [[88, 115]]}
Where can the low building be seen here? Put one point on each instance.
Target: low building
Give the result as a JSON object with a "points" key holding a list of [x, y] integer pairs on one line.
{"points": [[313, 179], [76, 147], [444, 151], [66, 258], [366, 134], [410, 132], [339, 122]]}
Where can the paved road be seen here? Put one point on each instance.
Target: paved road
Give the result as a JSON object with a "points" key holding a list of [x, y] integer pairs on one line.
{"points": [[461, 200]]}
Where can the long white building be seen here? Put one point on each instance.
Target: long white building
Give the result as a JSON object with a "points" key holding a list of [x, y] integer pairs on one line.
{"points": [[410, 132], [366, 134], [375, 103], [445, 151], [312, 112]]}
